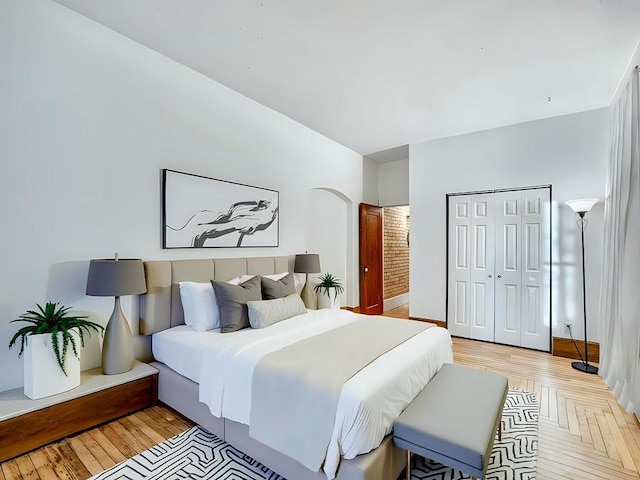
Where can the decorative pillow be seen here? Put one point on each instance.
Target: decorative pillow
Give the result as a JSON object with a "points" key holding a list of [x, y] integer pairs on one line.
{"points": [[232, 302], [267, 312], [272, 289], [199, 306]]}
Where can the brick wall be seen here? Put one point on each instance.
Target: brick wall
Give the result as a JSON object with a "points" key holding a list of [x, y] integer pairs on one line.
{"points": [[395, 228]]}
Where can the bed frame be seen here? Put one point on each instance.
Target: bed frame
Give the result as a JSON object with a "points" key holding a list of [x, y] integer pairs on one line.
{"points": [[161, 308]]}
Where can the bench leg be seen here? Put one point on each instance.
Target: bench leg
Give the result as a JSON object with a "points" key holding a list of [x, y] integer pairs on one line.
{"points": [[408, 475], [500, 431]]}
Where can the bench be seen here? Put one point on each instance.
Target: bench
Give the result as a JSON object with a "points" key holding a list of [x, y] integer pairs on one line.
{"points": [[454, 419]]}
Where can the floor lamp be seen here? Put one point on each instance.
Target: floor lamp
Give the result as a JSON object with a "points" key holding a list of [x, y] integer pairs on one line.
{"points": [[581, 207]]}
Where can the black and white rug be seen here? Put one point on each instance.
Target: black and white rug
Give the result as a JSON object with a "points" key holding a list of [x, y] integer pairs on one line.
{"points": [[197, 453]]}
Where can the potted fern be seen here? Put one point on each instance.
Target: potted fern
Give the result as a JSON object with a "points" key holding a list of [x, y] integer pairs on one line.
{"points": [[328, 290], [50, 346]]}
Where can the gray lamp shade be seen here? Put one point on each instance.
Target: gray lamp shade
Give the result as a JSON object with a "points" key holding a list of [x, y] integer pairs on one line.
{"points": [[114, 278], [307, 263]]}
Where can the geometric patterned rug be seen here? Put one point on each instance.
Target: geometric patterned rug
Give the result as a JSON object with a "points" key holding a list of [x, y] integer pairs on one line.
{"points": [[199, 454]]}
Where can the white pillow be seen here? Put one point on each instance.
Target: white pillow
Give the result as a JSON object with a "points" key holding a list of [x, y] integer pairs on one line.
{"points": [[263, 313], [199, 306], [276, 276], [240, 279], [296, 279]]}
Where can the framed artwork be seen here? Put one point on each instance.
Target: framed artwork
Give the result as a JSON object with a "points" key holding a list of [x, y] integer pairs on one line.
{"points": [[203, 212]]}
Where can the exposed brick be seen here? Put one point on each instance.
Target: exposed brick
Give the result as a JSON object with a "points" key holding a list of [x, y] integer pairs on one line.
{"points": [[395, 221]]}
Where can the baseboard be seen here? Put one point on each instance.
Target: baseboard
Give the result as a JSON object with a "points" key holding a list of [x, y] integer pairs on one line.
{"points": [[439, 323], [395, 302], [563, 347]]}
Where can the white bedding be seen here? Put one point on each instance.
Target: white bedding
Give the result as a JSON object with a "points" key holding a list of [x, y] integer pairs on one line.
{"points": [[369, 403]]}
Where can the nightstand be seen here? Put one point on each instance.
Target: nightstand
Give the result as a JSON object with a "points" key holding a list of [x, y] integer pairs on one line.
{"points": [[27, 424]]}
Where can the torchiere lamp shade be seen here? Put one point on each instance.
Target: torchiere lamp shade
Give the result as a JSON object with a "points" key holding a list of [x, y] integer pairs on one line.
{"points": [[114, 278], [582, 205], [307, 263]]}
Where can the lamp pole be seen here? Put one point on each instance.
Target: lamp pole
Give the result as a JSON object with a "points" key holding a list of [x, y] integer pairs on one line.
{"points": [[581, 207], [584, 365]]}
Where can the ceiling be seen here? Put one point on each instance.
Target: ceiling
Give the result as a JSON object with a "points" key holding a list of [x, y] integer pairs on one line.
{"points": [[374, 75]]}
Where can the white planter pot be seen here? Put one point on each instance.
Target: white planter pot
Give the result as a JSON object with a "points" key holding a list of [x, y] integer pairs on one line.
{"points": [[327, 301], [42, 374]]}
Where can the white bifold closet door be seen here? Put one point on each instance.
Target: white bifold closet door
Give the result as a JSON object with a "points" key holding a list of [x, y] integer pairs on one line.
{"points": [[499, 267]]}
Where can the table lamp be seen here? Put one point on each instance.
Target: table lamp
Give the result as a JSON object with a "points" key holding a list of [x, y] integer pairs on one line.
{"points": [[114, 277], [307, 263]]}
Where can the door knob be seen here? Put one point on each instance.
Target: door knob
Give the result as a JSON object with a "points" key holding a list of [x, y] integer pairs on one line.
{"points": [[490, 276], [499, 276], [365, 270]]}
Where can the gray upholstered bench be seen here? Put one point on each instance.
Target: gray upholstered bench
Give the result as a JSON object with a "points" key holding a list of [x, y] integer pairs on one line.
{"points": [[454, 419]]}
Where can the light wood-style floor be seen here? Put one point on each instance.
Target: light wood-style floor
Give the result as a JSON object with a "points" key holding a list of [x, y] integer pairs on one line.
{"points": [[583, 432]]}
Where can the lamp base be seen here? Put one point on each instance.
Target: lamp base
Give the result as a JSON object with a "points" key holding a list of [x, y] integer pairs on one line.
{"points": [[117, 346], [585, 367], [308, 295]]}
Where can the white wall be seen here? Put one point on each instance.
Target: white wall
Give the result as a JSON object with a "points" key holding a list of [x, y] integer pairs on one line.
{"points": [[369, 181], [568, 152], [393, 183], [633, 62], [88, 118]]}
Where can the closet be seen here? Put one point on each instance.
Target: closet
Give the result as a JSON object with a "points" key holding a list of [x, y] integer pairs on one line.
{"points": [[499, 266]]}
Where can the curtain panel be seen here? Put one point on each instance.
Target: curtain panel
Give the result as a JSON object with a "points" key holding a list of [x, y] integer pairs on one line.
{"points": [[619, 311]]}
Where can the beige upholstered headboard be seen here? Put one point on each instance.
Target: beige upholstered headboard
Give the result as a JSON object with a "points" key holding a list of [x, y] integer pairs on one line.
{"points": [[161, 308]]}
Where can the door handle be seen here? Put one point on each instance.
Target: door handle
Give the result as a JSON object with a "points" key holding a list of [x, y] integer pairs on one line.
{"points": [[365, 270], [490, 276], [499, 276]]}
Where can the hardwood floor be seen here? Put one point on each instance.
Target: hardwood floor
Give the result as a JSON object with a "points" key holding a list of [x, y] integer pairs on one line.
{"points": [[583, 433]]}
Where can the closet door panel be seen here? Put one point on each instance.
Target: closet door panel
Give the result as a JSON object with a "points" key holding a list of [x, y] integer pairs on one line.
{"points": [[508, 246], [536, 269], [459, 265], [481, 323]]}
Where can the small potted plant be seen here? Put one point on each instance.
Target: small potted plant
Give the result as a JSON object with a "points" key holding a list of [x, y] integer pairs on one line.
{"points": [[51, 353], [328, 291]]}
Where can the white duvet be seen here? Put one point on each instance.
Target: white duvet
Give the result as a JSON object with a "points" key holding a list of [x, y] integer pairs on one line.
{"points": [[370, 401]]}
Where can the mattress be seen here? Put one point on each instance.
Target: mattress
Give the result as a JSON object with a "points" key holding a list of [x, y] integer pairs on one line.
{"points": [[181, 348], [369, 403]]}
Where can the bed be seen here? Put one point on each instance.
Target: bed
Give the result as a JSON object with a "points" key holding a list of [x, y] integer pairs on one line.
{"points": [[358, 450]]}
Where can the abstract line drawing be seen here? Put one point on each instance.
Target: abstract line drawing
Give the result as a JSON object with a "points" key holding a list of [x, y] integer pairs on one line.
{"points": [[203, 212]]}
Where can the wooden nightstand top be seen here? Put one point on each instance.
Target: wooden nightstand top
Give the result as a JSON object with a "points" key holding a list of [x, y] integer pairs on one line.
{"points": [[14, 403]]}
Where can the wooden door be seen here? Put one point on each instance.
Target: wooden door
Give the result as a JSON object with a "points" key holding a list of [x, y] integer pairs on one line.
{"points": [[371, 286]]}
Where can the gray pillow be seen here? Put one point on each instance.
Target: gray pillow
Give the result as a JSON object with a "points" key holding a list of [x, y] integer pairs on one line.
{"points": [[272, 289], [232, 302], [267, 312]]}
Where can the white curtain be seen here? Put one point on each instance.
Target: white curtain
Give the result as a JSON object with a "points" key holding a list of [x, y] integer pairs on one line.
{"points": [[619, 313]]}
